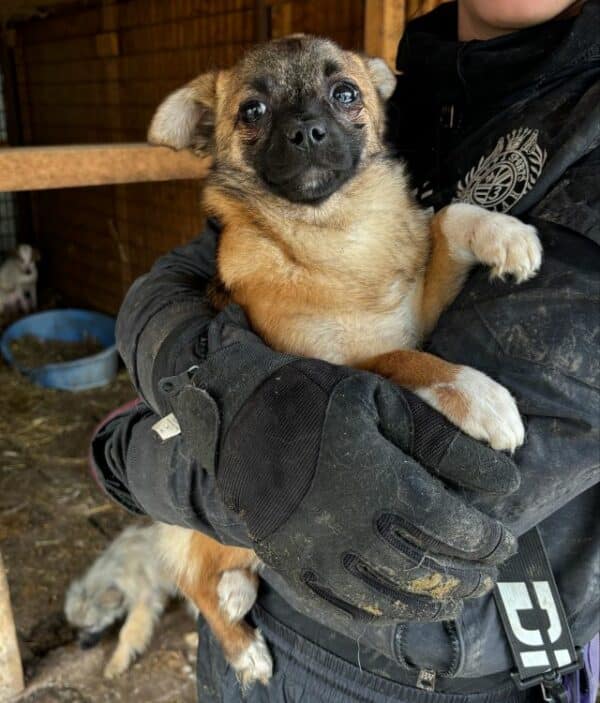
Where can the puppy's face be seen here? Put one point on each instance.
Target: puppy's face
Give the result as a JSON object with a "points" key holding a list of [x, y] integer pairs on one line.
{"points": [[299, 116], [92, 608]]}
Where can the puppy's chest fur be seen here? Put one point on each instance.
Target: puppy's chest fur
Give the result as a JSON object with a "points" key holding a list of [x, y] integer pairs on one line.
{"points": [[341, 286]]}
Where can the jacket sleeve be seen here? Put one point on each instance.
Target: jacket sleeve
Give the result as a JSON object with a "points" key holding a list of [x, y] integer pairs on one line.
{"points": [[161, 331], [164, 315], [540, 340]]}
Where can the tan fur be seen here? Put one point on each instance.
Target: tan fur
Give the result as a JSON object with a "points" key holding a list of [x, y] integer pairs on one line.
{"points": [[444, 277], [320, 287], [138, 628], [358, 279]]}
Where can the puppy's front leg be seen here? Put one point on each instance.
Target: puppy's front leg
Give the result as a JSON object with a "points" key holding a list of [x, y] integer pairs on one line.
{"points": [[471, 400], [134, 637], [463, 235]]}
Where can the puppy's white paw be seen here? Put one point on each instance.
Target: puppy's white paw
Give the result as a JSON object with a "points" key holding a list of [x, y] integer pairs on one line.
{"points": [[507, 246], [480, 407], [118, 664], [255, 663], [237, 592]]}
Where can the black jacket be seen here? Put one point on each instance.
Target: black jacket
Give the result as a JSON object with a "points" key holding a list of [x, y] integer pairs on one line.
{"points": [[512, 124]]}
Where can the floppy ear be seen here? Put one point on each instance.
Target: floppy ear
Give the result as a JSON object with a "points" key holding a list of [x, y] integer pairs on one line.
{"points": [[382, 76], [186, 118], [25, 252], [111, 598]]}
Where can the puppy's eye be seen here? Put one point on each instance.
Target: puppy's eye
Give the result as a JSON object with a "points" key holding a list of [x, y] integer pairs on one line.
{"points": [[252, 111], [345, 93]]}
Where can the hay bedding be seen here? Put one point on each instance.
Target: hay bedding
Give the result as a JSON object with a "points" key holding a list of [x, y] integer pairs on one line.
{"points": [[53, 522], [30, 351], [47, 499], [51, 425]]}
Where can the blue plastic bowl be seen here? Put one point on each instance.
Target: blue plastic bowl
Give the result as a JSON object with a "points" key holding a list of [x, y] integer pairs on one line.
{"points": [[69, 325]]}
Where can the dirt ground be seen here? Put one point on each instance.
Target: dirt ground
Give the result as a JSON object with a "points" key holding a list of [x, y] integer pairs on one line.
{"points": [[53, 523]]}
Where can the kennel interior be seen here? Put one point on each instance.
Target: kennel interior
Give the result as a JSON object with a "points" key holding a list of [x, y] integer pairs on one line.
{"points": [[73, 75]]}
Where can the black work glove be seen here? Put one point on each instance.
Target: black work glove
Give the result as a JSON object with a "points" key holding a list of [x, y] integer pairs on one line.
{"points": [[337, 476]]}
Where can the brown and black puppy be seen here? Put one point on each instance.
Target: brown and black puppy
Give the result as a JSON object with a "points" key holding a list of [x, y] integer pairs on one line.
{"points": [[330, 257]]}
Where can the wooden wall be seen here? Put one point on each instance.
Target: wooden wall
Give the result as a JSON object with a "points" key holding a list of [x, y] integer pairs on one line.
{"points": [[95, 74]]}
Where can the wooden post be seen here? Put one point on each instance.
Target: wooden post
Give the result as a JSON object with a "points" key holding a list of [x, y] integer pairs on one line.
{"points": [[281, 19], [11, 671], [384, 24], [261, 21]]}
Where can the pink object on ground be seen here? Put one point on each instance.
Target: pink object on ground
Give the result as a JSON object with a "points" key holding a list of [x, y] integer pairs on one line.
{"points": [[105, 420]]}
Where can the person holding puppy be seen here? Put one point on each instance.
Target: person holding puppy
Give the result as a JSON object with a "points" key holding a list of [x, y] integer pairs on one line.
{"points": [[497, 106]]}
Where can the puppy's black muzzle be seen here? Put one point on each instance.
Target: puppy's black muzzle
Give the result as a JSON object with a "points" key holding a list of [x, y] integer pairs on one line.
{"points": [[308, 157], [90, 638]]}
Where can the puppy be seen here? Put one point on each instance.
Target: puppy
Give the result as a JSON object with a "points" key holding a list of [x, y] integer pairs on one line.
{"points": [[330, 257], [18, 280], [129, 582]]}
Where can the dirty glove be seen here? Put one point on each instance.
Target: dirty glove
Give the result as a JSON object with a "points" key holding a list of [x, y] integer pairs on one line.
{"points": [[344, 482]]}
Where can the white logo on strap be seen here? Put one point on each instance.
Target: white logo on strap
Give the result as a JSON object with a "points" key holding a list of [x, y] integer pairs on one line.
{"points": [[516, 600], [503, 177]]}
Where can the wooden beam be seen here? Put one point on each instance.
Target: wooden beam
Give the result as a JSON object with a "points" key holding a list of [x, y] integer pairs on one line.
{"points": [[41, 168], [11, 671], [24, 9], [384, 24]]}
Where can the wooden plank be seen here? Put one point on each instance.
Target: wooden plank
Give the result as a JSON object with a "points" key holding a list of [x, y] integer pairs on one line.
{"points": [[37, 168], [107, 44], [282, 15], [384, 24], [23, 9], [11, 671], [76, 23]]}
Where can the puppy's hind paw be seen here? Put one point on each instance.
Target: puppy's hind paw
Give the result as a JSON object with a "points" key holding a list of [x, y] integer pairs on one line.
{"points": [[237, 592], [254, 664]]}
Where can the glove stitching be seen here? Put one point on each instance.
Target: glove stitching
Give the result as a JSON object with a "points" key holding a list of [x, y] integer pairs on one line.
{"points": [[368, 574], [410, 444], [327, 391], [418, 555]]}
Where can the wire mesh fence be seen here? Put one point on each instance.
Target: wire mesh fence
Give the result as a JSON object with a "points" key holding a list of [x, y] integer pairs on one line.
{"points": [[8, 218]]}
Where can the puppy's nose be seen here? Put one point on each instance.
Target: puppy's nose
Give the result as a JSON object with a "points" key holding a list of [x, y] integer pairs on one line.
{"points": [[304, 135]]}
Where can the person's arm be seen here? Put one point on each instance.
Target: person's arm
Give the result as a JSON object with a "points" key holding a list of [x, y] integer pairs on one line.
{"points": [[316, 467], [162, 323], [540, 340]]}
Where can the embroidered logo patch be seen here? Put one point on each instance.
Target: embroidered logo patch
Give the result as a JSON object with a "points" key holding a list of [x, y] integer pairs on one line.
{"points": [[503, 177]]}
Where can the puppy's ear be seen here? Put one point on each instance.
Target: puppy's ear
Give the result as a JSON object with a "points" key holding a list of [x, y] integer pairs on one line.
{"points": [[111, 598], [382, 76], [186, 118], [25, 253]]}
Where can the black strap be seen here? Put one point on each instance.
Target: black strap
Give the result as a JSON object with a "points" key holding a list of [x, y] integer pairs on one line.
{"points": [[534, 620]]}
